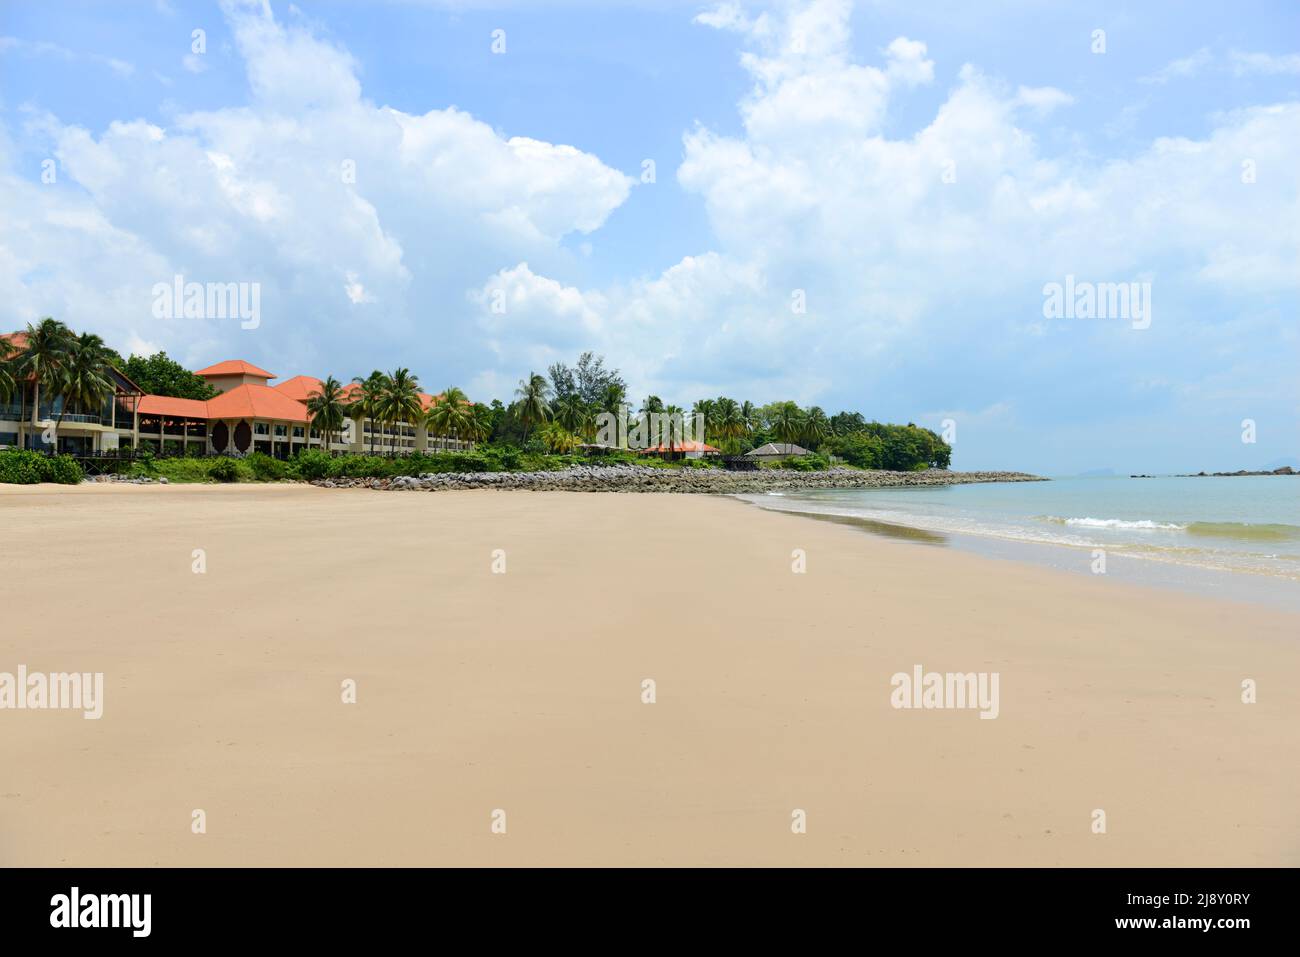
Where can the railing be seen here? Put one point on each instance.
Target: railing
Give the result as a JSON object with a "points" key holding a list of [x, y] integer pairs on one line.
{"points": [[47, 415]]}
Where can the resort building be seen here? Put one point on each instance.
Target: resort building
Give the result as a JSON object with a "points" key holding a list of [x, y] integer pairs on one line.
{"points": [[247, 415], [775, 452], [25, 415], [684, 449]]}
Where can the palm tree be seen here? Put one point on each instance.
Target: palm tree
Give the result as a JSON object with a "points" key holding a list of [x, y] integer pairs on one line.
{"points": [[816, 427], [674, 415], [533, 405], [558, 439], [327, 406], [85, 380], [787, 423], [401, 400], [707, 409], [450, 414], [43, 360], [480, 423], [749, 414], [8, 376], [572, 413], [730, 421], [367, 402], [614, 399]]}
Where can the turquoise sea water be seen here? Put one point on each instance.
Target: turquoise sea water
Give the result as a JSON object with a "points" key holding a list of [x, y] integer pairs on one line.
{"points": [[1171, 530]]}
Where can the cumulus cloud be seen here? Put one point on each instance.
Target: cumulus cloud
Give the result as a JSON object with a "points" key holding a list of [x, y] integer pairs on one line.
{"points": [[852, 262], [934, 246], [361, 223]]}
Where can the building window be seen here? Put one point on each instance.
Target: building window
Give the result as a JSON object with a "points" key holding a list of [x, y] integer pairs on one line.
{"points": [[8, 438], [281, 431], [259, 428], [297, 431]]}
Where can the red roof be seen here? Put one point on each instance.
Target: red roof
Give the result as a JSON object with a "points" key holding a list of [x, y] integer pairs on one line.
{"points": [[235, 367], [167, 405], [250, 401], [300, 388], [681, 447], [16, 339]]}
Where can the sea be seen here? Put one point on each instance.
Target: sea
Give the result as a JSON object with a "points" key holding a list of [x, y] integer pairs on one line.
{"points": [[1235, 537]]}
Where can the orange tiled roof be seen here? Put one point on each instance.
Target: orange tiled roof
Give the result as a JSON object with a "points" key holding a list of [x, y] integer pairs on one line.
{"points": [[300, 388], [16, 339], [167, 405], [249, 401], [681, 447], [235, 367]]}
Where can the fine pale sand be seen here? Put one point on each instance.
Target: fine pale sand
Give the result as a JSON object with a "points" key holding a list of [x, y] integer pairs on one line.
{"points": [[522, 691]]}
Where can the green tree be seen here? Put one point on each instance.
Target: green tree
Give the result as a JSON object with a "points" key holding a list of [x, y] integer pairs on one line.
{"points": [[532, 404], [573, 414], [367, 401], [816, 427], [327, 407], [451, 415], [85, 377], [400, 401], [730, 422], [159, 375], [788, 423], [8, 373], [44, 359]]}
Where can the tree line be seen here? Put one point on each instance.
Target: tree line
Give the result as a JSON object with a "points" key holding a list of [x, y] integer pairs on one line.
{"points": [[556, 412]]}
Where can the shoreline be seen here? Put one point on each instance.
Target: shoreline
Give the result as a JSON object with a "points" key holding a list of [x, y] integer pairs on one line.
{"points": [[1237, 585], [523, 691]]}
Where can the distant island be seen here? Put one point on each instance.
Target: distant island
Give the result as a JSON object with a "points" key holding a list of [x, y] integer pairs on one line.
{"points": [[1284, 470]]}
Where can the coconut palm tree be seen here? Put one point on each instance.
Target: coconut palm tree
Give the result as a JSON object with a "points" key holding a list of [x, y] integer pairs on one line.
{"points": [[480, 424], [450, 415], [558, 439], [707, 409], [44, 358], [816, 427], [327, 407], [401, 400], [85, 380], [749, 413], [572, 413], [730, 421], [787, 423], [533, 405], [673, 414], [614, 399], [8, 376], [367, 401]]}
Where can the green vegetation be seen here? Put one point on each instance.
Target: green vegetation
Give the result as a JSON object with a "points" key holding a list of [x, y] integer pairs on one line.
{"points": [[20, 467], [159, 375], [72, 371], [551, 418]]}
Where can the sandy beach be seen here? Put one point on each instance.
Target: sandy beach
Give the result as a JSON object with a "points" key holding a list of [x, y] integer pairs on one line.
{"points": [[478, 691]]}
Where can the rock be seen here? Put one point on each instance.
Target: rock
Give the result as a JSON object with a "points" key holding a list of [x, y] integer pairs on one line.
{"points": [[642, 478]]}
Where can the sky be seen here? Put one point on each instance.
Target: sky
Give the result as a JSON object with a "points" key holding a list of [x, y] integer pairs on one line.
{"points": [[859, 206]]}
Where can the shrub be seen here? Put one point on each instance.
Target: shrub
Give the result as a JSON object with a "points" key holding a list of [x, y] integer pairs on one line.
{"points": [[62, 469], [224, 470], [20, 467], [314, 464], [265, 468]]}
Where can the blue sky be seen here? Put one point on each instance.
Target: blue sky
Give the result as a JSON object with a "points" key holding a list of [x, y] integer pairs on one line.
{"points": [[917, 175]]}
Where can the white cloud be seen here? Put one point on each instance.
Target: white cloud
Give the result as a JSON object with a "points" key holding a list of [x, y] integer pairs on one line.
{"points": [[1182, 68], [1042, 99], [363, 225], [1266, 63]]}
